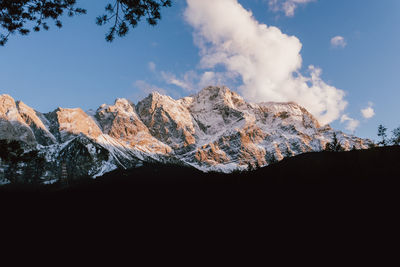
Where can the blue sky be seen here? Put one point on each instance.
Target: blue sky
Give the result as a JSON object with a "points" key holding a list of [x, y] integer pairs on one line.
{"points": [[75, 67]]}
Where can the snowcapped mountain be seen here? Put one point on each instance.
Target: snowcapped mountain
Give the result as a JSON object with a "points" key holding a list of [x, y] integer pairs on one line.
{"points": [[215, 129]]}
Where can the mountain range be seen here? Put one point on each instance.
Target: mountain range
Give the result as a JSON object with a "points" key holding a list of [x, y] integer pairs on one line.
{"points": [[213, 130]]}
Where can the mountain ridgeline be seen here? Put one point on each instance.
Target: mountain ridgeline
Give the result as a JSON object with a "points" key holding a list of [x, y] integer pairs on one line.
{"points": [[213, 130]]}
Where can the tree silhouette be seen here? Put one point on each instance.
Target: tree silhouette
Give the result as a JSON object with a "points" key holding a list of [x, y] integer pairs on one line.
{"points": [[396, 136], [382, 134], [17, 15], [33, 170], [129, 12], [371, 145], [22, 16], [10, 151], [14, 156], [335, 145]]}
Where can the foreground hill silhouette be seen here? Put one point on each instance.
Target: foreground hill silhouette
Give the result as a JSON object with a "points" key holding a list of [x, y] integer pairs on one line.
{"points": [[377, 166]]}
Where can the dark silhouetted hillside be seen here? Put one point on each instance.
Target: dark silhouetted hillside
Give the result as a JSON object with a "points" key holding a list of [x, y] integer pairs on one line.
{"points": [[378, 166], [374, 166]]}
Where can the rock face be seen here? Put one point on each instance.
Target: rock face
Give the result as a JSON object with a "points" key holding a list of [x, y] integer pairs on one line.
{"points": [[168, 120], [12, 125], [36, 121], [121, 122], [215, 129], [66, 123]]}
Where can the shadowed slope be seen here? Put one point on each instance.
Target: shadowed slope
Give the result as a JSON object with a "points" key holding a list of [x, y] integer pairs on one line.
{"points": [[369, 167]]}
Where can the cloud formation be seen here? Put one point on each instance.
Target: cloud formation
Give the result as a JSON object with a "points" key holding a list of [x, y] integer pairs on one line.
{"points": [[287, 6], [351, 124], [152, 66], [338, 41], [267, 61], [368, 112], [186, 82], [191, 80]]}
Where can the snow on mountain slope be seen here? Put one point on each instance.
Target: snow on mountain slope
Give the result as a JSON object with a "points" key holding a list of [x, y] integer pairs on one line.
{"points": [[35, 121], [67, 123], [12, 125], [121, 122], [234, 131], [168, 120], [215, 129]]}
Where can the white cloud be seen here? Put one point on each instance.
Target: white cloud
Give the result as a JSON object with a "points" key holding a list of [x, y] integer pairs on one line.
{"points": [[192, 80], [152, 66], [267, 60], [338, 41], [186, 82], [368, 112], [287, 6], [351, 124]]}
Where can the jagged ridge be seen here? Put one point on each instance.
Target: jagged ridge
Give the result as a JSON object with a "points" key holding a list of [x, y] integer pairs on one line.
{"points": [[215, 129]]}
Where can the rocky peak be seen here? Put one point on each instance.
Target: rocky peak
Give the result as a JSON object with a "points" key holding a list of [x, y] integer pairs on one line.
{"points": [[106, 115], [36, 123], [4, 98], [218, 108], [215, 129], [69, 122], [290, 112], [8, 106], [12, 125], [155, 100], [218, 97], [186, 101], [120, 121], [168, 120], [124, 104]]}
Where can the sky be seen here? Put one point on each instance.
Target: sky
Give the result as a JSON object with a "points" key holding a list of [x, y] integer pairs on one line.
{"points": [[339, 59]]}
